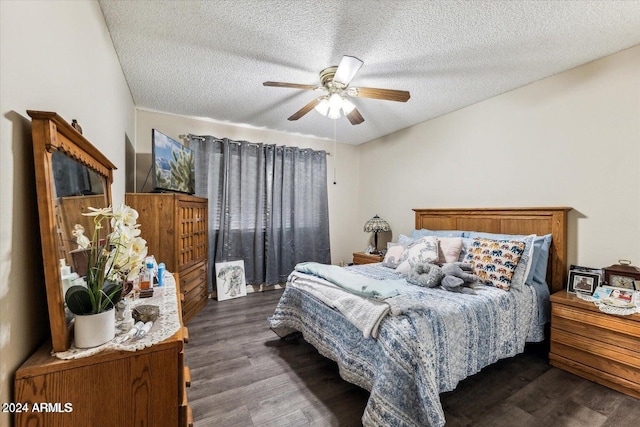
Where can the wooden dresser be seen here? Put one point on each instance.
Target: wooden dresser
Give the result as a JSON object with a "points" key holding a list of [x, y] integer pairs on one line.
{"points": [[363, 258], [601, 347], [112, 388], [175, 228]]}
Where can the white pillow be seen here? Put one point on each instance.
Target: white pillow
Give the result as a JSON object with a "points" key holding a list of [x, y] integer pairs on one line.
{"points": [[449, 249], [422, 251], [393, 256]]}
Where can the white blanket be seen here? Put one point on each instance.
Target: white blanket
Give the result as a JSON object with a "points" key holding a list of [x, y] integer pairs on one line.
{"points": [[364, 313]]}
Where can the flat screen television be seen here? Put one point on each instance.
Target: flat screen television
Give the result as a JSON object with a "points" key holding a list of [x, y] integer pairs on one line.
{"points": [[173, 164]]}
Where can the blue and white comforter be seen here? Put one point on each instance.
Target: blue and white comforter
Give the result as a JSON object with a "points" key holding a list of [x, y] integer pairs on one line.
{"points": [[436, 339]]}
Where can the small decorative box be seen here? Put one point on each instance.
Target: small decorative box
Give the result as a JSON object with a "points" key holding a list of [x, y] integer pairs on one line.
{"points": [[146, 313]]}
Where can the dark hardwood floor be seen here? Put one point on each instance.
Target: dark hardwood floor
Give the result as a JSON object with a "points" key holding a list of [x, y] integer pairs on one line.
{"points": [[244, 375]]}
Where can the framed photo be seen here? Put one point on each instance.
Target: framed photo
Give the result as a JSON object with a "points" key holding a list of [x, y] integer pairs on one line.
{"points": [[230, 280], [583, 282], [591, 270], [616, 297]]}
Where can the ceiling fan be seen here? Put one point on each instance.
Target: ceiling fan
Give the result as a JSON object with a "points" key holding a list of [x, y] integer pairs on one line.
{"points": [[334, 84]]}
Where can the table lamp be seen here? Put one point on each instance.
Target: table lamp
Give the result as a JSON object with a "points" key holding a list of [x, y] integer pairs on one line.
{"points": [[376, 225]]}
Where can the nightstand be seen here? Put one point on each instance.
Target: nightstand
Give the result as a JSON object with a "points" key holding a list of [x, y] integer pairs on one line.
{"points": [[600, 347], [363, 258]]}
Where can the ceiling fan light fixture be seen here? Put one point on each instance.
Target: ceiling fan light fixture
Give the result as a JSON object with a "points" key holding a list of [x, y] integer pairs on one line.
{"points": [[335, 101], [347, 106], [323, 106], [334, 106], [334, 113]]}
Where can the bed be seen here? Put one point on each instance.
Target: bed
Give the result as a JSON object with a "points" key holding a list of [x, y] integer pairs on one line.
{"points": [[416, 342]]}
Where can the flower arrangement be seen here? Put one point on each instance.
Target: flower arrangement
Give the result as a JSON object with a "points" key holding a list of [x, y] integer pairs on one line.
{"points": [[112, 260]]}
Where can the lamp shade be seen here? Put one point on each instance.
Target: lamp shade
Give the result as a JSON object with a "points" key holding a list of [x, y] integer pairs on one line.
{"points": [[376, 225], [323, 106]]}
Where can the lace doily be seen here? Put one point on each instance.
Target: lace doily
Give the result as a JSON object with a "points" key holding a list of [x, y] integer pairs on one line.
{"points": [[167, 324], [609, 309]]}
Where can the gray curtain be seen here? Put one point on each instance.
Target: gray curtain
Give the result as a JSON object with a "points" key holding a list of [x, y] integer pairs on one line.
{"points": [[268, 205]]}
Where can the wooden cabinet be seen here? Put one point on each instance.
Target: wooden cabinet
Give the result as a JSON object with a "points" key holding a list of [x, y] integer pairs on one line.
{"points": [[175, 227], [601, 347], [363, 258], [112, 388]]}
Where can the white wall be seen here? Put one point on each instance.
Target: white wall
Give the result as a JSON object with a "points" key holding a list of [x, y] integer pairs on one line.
{"points": [[569, 140], [54, 56], [343, 196]]}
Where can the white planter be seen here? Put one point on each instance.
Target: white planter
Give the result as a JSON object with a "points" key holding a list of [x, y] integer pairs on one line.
{"points": [[92, 330]]}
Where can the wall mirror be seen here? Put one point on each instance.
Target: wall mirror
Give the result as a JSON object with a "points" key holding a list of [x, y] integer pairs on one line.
{"points": [[71, 176]]}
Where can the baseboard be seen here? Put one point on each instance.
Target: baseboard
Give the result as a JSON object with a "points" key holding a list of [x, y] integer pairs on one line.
{"points": [[262, 288], [255, 288]]}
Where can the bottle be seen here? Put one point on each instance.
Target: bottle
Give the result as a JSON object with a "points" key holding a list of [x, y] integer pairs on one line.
{"points": [[66, 275], [161, 268], [146, 275], [127, 321]]}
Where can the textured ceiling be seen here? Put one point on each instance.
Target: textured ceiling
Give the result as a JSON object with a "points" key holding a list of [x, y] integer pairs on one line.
{"points": [[209, 58]]}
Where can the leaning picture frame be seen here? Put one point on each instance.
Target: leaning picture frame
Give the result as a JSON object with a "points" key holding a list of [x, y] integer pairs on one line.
{"points": [[230, 280], [582, 281], [598, 271]]}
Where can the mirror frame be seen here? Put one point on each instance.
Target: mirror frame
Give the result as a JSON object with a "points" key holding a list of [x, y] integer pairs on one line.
{"points": [[51, 133]]}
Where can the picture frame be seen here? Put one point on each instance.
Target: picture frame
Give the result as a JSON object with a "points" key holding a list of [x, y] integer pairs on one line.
{"points": [[598, 271], [230, 280], [615, 297], [583, 281]]}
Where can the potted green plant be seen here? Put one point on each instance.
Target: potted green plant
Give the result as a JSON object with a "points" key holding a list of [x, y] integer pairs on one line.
{"points": [[112, 260]]}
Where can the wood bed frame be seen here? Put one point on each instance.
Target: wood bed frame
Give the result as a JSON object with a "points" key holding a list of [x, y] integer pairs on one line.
{"points": [[538, 221]]}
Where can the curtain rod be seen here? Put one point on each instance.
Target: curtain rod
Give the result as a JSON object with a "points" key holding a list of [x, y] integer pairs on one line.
{"points": [[202, 138]]}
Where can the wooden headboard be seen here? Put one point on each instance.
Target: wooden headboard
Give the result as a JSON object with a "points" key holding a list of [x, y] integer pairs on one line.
{"points": [[538, 221]]}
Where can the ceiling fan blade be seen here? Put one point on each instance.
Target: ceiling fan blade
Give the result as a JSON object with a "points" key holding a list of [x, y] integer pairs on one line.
{"points": [[347, 69], [386, 94], [291, 85], [304, 110], [355, 117]]}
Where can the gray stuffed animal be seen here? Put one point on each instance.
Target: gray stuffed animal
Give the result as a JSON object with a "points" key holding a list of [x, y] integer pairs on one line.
{"points": [[452, 277], [425, 274], [456, 278]]}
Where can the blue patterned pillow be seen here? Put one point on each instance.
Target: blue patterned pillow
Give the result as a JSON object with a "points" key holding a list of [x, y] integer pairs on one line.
{"points": [[538, 272], [495, 261]]}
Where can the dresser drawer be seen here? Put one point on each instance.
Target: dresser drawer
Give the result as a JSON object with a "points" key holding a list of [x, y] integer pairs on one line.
{"points": [[195, 295], [194, 308], [193, 288], [601, 347], [601, 327], [192, 278], [597, 354]]}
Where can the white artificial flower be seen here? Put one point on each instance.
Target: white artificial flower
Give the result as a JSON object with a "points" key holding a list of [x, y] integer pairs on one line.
{"points": [[82, 240], [119, 256], [128, 215], [138, 246], [99, 211]]}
